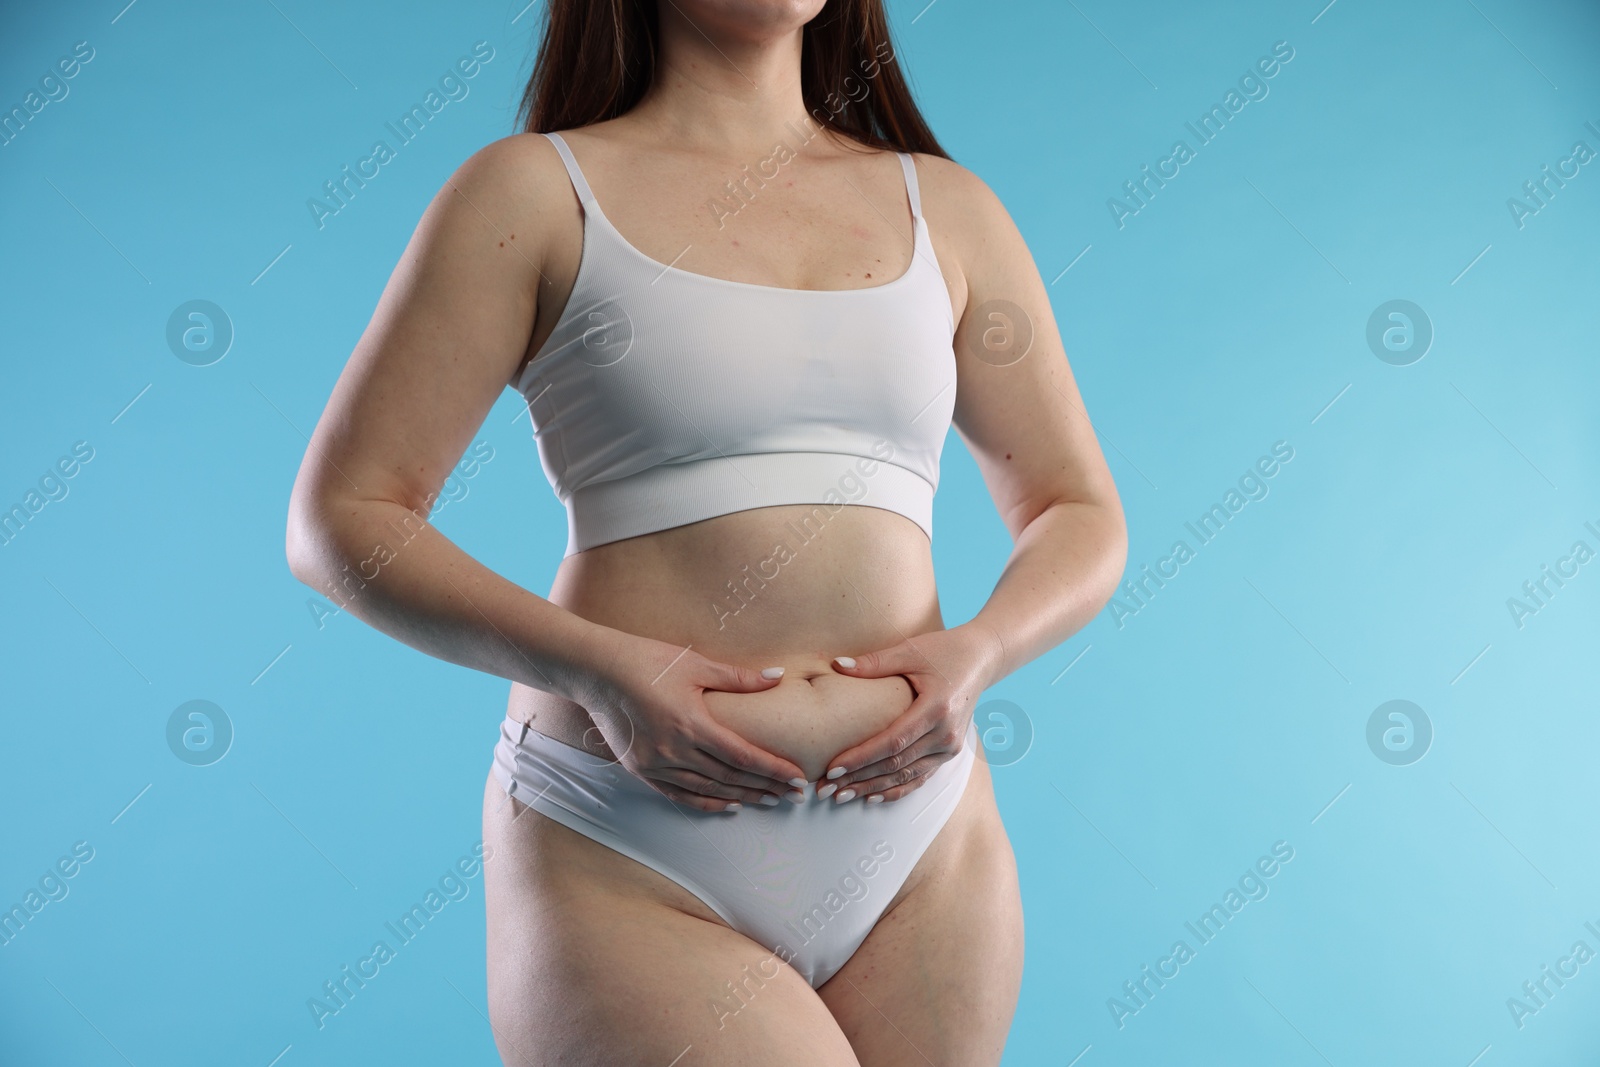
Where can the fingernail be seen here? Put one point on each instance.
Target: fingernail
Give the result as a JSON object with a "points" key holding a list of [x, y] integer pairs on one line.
{"points": [[835, 772], [875, 799], [772, 672], [798, 783], [826, 791], [797, 797], [769, 800], [848, 794], [846, 662], [733, 806]]}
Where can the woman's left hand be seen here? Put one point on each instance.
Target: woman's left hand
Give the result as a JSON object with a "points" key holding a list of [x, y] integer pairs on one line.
{"points": [[948, 670]]}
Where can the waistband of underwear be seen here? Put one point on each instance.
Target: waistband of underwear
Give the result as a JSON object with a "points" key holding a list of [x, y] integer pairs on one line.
{"points": [[519, 740]]}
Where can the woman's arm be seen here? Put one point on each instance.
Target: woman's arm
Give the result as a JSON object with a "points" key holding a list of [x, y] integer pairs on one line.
{"points": [[448, 334], [1025, 423]]}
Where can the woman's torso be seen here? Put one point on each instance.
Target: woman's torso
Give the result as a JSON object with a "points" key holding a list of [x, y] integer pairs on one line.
{"points": [[791, 585]]}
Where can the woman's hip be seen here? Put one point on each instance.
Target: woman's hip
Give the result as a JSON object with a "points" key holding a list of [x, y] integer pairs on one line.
{"points": [[807, 881]]}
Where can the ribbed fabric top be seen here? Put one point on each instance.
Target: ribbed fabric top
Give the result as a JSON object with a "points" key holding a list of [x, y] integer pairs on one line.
{"points": [[664, 397]]}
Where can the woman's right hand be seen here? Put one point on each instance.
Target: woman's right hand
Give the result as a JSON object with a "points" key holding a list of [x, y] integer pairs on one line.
{"points": [[647, 699]]}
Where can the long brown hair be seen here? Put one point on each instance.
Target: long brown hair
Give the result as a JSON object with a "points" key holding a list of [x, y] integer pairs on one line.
{"points": [[597, 57]]}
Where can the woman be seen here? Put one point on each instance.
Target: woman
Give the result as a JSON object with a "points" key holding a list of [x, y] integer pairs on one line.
{"points": [[738, 812]]}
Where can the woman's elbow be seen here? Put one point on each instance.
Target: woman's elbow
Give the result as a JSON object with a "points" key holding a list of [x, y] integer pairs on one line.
{"points": [[1112, 551], [306, 538]]}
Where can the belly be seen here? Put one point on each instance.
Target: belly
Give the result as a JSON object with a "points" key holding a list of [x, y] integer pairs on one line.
{"points": [[813, 716], [788, 586]]}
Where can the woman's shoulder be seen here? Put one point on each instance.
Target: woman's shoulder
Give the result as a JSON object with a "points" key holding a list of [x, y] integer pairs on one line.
{"points": [[952, 191], [965, 217], [519, 178], [517, 157]]}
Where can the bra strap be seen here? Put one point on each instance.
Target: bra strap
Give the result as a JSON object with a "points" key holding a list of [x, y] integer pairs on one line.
{"points": [[585, 194], [912, 191]]}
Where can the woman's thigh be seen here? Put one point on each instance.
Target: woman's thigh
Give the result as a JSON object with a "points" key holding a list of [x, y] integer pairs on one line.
{"points": [[936, 981], [596, 959]]}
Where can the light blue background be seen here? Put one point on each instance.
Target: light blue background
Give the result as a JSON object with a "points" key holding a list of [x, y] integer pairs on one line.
{"points": [[1228, 314]]}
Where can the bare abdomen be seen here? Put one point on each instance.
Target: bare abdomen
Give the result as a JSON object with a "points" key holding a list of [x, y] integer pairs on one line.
{"points": [[862, 581], [810, 722]]}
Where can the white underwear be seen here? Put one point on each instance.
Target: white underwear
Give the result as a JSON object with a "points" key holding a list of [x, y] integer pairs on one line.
{"points": [[808, 881]]}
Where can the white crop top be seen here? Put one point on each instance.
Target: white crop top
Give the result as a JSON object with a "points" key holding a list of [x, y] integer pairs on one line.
{"points": [[664, 397]]}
